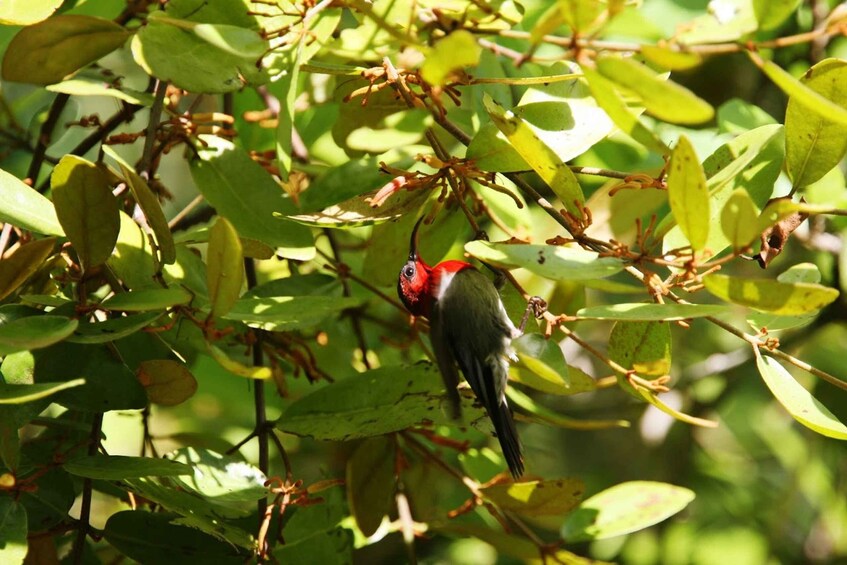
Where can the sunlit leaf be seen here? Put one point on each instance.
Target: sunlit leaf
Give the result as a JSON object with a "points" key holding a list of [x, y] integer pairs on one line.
{"points": [[16, 268], [553, 497], [286, 313], [27, 12], [644, 347], [624, 508], [543, 357], [549, 261], [86, 208], [236, 368], [224, 267], [26, 208], [772, 13], [687, 193], [738, 219], [804, 407], [153, 212], [788, 299], [13, 525], [457, 50], [150, 299], [535, 412], [651, 312], [48, 51], [112, 329], [118, 467]]}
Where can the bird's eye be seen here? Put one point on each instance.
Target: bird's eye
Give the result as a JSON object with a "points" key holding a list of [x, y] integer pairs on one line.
{"points": [[409, 271]]}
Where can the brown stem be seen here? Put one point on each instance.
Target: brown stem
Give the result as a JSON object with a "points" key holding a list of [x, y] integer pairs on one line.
{"points": [[85, 508], [44, 135]]}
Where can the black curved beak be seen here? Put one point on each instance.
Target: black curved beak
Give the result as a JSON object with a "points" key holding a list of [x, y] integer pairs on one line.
{"points": [[413, 241]]}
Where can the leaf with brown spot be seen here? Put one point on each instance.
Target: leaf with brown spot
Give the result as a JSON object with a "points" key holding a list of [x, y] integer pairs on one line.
{"points": [[166, 382], [536, 498]]}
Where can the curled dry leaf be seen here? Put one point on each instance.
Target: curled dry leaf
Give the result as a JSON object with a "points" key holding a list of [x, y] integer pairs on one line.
{"points": [[775, 237]]}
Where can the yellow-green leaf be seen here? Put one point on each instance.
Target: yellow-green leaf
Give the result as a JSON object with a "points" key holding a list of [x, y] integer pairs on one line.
{"points": [[166, 382], [663, 99], [48, 51], [34, 332], [788, 299], [804, 407], [235, 367], [814, 141], [147, 299], [553, 497], [26, 12], [538, 155], [457, 50], [739, 219], [149, 204], [688, 195], [26, 208], [671, 59], [86, 208], [644, 347], [224, 267], [16, 268]]}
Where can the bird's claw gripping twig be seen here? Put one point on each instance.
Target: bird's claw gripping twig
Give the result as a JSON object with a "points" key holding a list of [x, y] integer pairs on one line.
{"points": [[535, 305]]}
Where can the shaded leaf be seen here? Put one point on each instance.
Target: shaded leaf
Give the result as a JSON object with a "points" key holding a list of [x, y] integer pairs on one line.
{"points": [[804, 407], [148, 299], [624, 508], [93, 84], [543, 357], [119, 467], [644, 347], [537, 413], [21, 393], [166, 382], [34, 332], [86, 208], [370, 482], [374, 403], [738, 219], [789, 299], [149, 204], [16, 268], [359, 211], [239, 189], [772, 13], [112, 329], [224, 267], [552, 383], [48, 51]]}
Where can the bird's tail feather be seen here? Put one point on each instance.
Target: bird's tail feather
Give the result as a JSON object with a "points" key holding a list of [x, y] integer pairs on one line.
{"points": [[507, 435]]}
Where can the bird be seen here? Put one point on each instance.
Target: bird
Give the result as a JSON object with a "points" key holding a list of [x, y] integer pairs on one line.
{"points": [[469, 327]]}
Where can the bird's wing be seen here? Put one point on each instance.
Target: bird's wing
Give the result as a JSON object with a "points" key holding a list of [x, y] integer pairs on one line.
{"points": [[446, 362]]}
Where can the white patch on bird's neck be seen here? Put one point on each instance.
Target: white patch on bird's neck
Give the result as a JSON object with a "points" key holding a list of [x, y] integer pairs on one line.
{"points": [[444, 283]]}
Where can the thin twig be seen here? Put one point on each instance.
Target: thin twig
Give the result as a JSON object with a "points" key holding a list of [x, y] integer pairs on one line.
{"points": [[78, 549], [145, 164], [45, 134]]}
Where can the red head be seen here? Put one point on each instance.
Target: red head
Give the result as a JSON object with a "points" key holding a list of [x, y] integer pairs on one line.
{"points": [[419, 284], [413, 287]]}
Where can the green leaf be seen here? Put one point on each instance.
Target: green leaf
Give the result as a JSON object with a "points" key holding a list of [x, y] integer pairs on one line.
{"points": [[333, 547], [112, 329], [13, 531], [34, 332], [538, 413], [802, 94], [149, 204], [610, 99], [644, 347], [224, 267], [86, 208], [456, 51], [804, 407], [359, 211], [624, 508], [814, 143], [780, 208], [551, 382], [670, 58], [370, 482], [150, 299], [543, 357], [374, 403], [16, 268], [222, 480], [166, 382], [183, 57], [737, 116], [119, 467], [538, 155], [236, 368], [739, 218], [728, 21], [22, 393], [154, 537], [27, 12], [562, 114], [285, 120], [287, 313], [663, 99], [789, 299], [24, 207], [549, 261], [239, 189], [48, 51], [132, 260], [87, 83], [772, 13], [554, 497], [348, 180], [651, 312], [687, 194]]}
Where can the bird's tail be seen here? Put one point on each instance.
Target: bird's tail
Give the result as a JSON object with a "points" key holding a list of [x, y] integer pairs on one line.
{"points": [[507, 435]]}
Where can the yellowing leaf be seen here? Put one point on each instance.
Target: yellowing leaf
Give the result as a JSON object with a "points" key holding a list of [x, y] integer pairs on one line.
{"points": [[166, 382], [536, 498], [16, 268], [789, 299], [538, 155], [224, 267], [687, 193]]}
